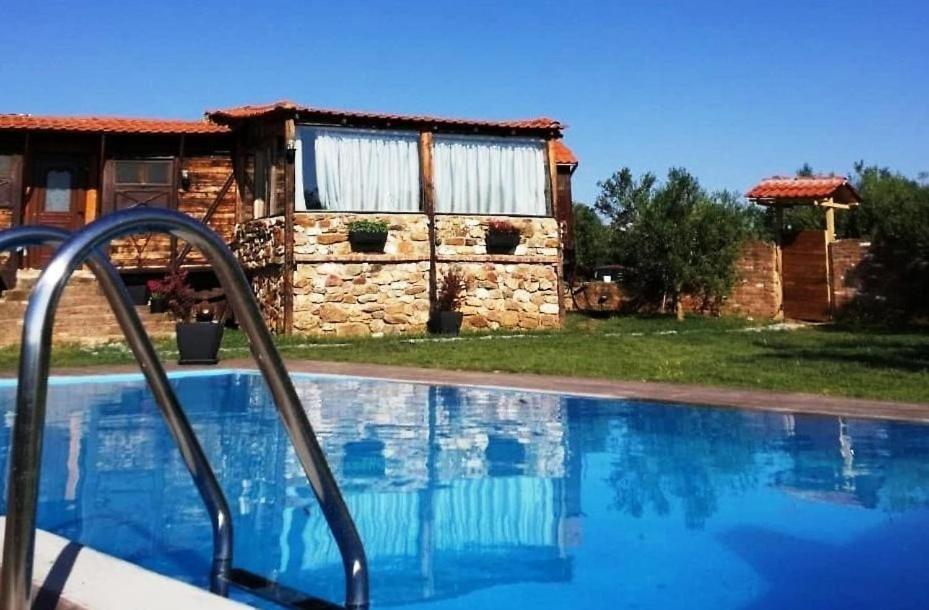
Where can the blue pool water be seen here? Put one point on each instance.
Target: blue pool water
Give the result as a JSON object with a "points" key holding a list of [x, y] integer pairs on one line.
{"points": [[487, 498]]}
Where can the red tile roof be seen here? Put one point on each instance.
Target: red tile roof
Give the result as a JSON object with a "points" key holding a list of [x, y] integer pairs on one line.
{"points": [[229, 115], [96, 124], [803, 187], [563, 154]]}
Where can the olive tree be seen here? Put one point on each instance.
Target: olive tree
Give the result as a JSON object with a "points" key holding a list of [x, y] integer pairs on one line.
{"points": [[674, 237]]}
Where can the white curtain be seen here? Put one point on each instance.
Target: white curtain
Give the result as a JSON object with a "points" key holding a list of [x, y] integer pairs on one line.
{"points": [[299, 196], [360, 171], [476, 175]]}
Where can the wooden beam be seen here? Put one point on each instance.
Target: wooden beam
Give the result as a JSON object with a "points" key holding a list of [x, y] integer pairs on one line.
{"points": [[427, 195], [290, 200]]}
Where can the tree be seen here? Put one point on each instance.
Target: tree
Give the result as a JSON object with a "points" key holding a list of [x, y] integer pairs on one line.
{"points": [[591, 240], [894, 215], [674, 238]]}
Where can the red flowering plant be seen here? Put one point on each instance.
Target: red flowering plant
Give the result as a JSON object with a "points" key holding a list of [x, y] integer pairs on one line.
{"points": [[452, 291], [155, 289], [503, 227], [175, 289]]}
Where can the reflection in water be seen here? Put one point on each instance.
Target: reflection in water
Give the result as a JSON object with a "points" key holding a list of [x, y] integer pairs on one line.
{"points": [[462, 492]]}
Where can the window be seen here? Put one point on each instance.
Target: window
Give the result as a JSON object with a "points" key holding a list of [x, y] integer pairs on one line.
{"points": [[357, 170], [58, 190], [140, 182], [481, 175], [155, 172]]}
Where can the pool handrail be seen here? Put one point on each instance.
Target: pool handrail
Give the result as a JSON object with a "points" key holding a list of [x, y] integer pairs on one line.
{"points": [[191, 451], [31, 394]]}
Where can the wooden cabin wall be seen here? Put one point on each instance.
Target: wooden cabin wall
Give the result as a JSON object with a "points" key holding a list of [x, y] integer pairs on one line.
{"points": [[208, 174], [209, 164], [11, 149], [260, 146]]}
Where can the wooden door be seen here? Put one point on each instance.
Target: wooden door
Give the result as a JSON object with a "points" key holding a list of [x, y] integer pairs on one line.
{"points": [[806, 277], [57, 198]]}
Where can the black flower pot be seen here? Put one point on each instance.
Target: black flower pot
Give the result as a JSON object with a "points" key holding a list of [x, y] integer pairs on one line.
{"points": [[501, 243], [445, 322], [198, 342], [138, 293], [367, 241], [158, 304]]}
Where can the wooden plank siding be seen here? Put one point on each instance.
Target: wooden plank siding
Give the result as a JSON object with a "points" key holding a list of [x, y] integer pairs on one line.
{"points": [[806, 277], [207, 175]]}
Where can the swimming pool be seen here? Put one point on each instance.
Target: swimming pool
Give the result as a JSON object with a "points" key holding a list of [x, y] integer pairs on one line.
{"points": [[472, 497]]}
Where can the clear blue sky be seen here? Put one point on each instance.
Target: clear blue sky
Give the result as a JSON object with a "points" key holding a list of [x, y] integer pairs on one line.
{"points": [[734, 91]]}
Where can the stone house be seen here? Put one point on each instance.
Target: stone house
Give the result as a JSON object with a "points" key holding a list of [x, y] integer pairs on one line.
{"points": [[282, 182]]}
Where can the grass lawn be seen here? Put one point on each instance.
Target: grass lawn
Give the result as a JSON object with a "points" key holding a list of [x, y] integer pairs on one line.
{"points": [[883, 364]]}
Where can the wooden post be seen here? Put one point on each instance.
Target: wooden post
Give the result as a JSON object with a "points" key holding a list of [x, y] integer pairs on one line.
{"points": [[290, 199], [779, 254], [25, 165], [830, 224], [427, 193], [552, 194], [178, 168]]}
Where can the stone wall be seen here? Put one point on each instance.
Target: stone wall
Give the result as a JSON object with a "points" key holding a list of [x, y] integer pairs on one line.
{"points": [[339, 292], [323, 237], [463, 237], [844, 257], [259, 245], [757, 292], [506, 295], [518, 290], [342, 299]]}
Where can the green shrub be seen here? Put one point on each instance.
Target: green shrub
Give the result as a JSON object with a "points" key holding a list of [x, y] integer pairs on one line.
{"points": [[368, 226]]}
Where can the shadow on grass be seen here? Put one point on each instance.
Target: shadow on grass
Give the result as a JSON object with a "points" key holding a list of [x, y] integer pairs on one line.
{"points": [[896, 354]]}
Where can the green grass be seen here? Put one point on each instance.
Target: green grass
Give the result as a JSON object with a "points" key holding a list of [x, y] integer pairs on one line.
{"points": [[883, 364]]}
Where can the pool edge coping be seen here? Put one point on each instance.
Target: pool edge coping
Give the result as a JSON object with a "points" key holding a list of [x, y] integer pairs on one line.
{"points": [[680, 394]]}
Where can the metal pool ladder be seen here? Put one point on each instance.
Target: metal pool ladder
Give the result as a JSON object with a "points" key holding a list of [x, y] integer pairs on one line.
{"points": [[32, 393]]}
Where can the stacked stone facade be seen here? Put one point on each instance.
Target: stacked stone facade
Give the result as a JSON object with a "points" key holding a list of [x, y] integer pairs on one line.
{"points": [[323, 237], [260, 247], [340, 292], [508, 295], [463, 238]]}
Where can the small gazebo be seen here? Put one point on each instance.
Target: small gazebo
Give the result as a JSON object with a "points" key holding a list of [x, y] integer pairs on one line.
{"points": [[803, 259], [830, 193]]}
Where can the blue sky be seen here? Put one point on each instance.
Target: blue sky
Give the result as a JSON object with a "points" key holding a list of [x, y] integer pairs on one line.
{"points": [[733, 91]]}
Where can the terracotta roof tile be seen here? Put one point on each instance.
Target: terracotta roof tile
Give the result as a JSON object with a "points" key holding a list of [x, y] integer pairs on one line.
{"points": [[800, 187], [99, 124], [563, 154], [284, 107]]}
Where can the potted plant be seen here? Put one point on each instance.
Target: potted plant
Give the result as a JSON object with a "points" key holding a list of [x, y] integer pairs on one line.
{"points": [[157, 302], [198, 335], [502, 237], [367, 235], [446, 319]]}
